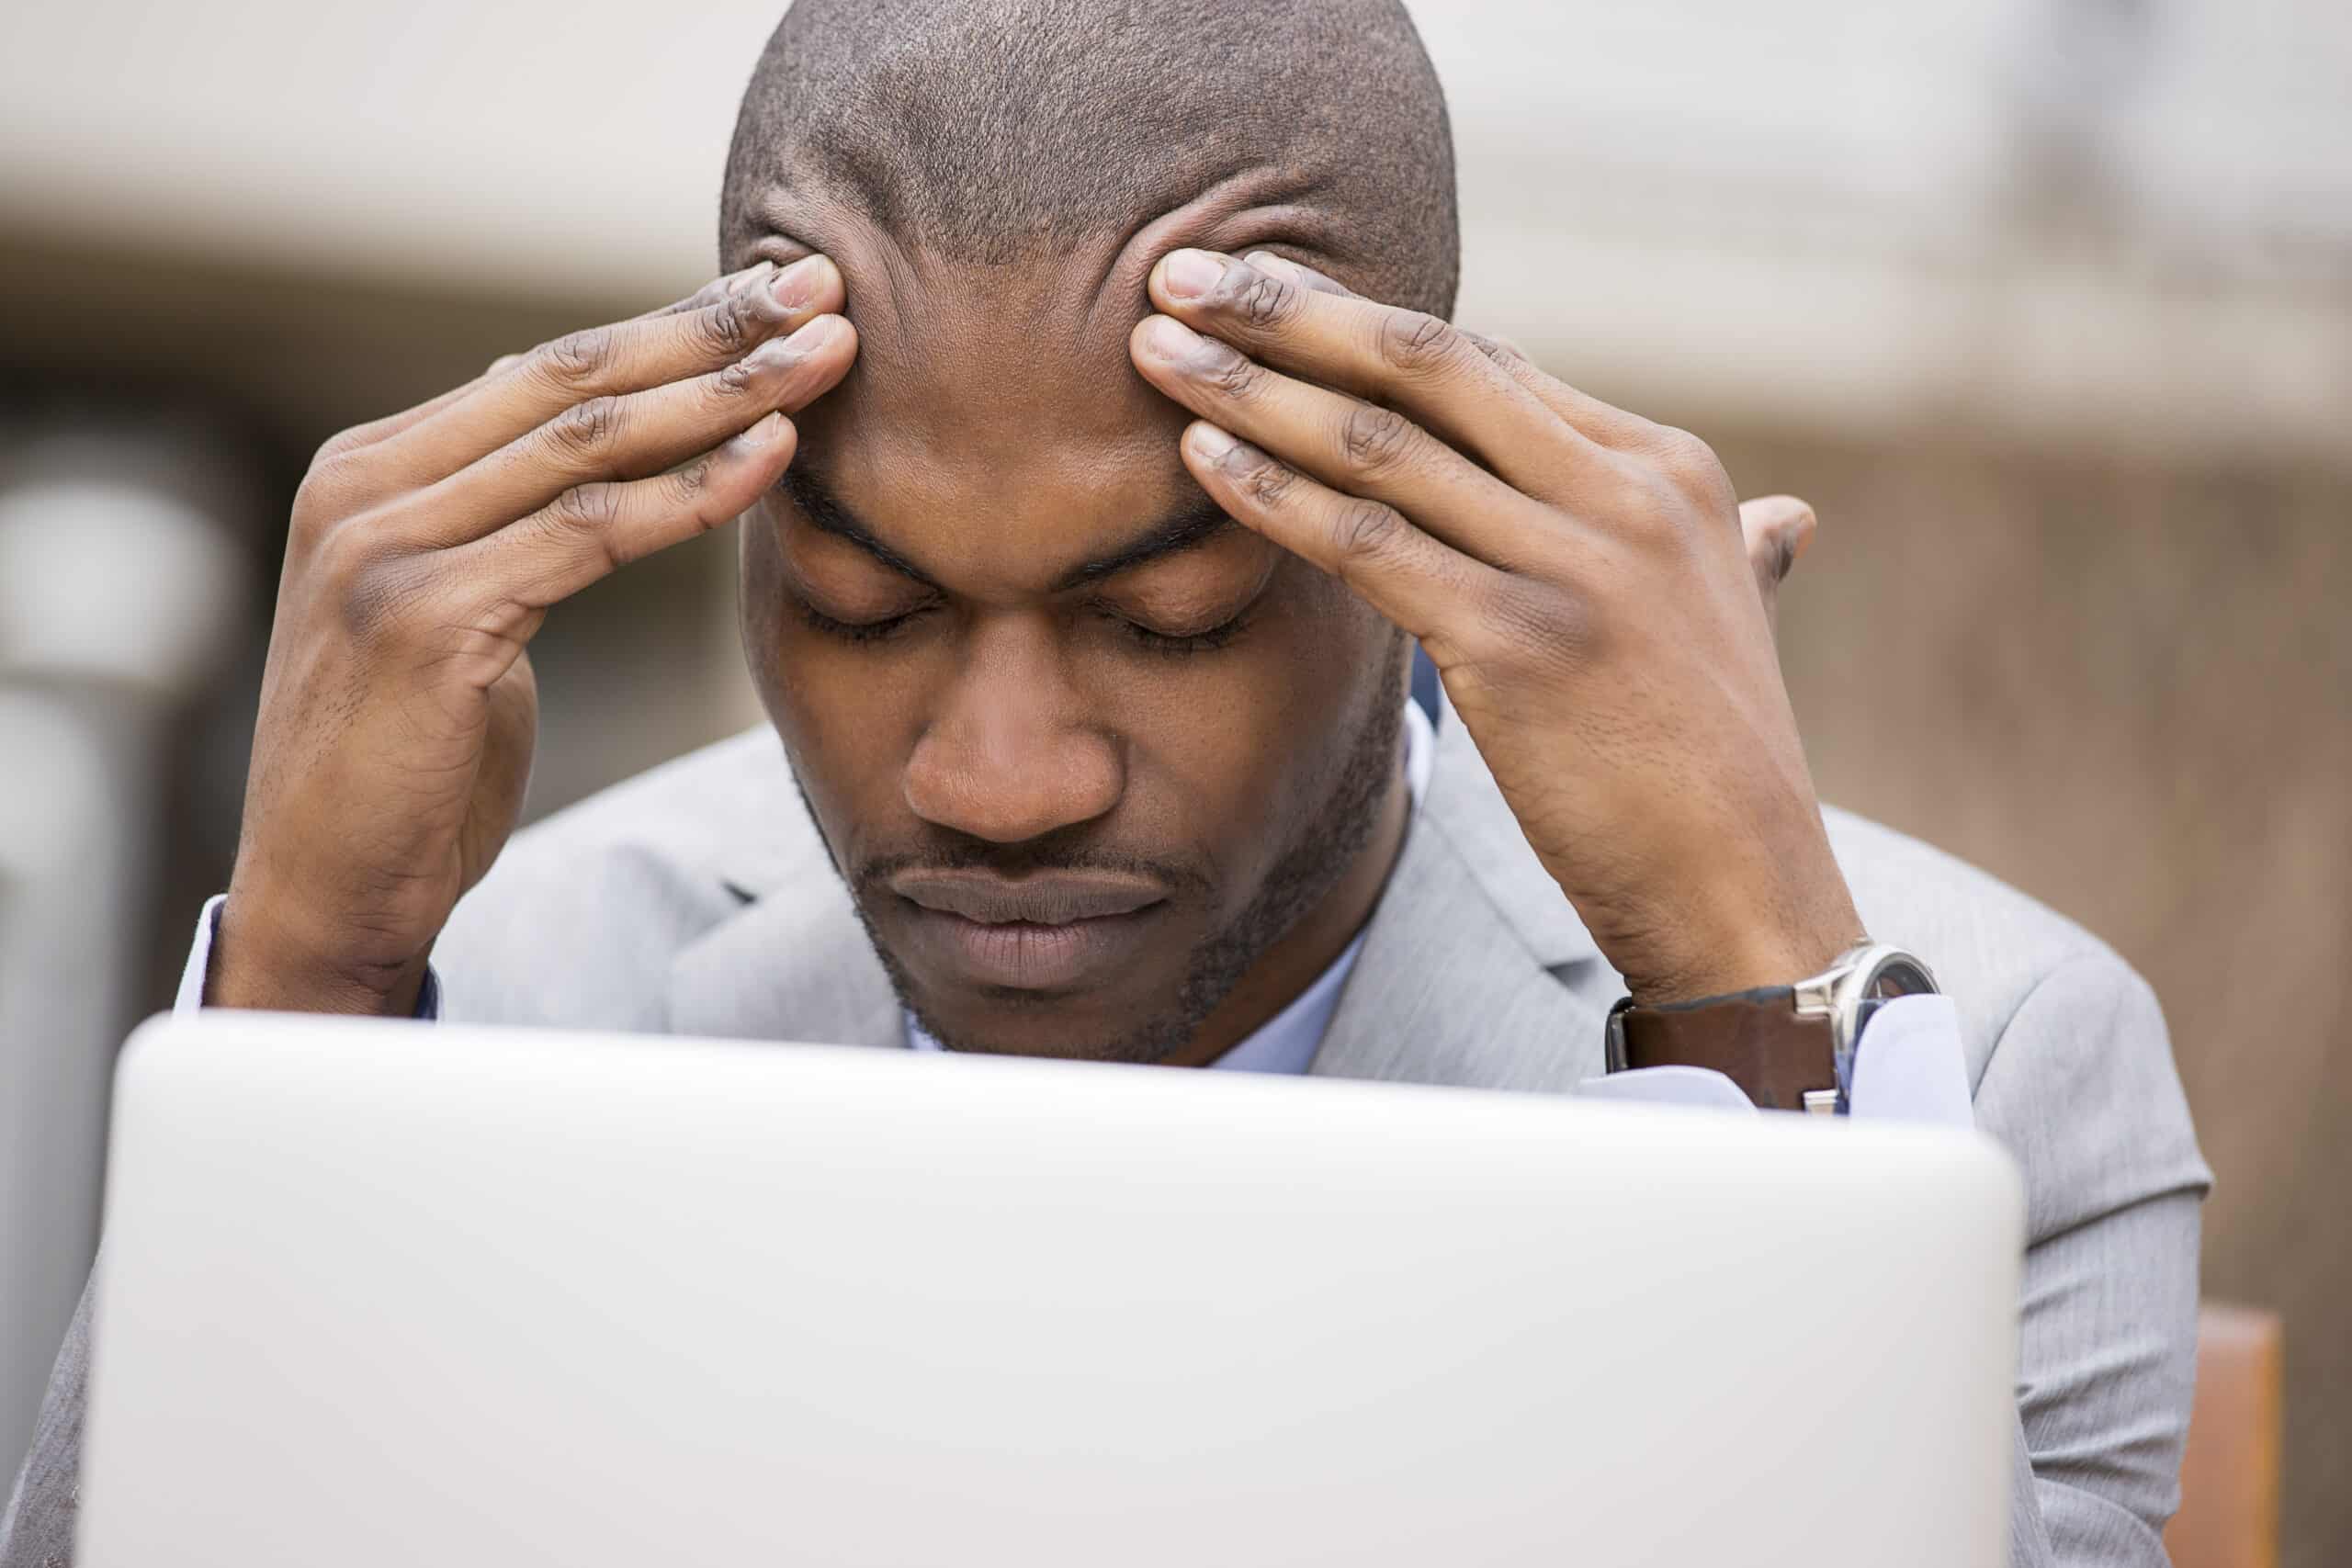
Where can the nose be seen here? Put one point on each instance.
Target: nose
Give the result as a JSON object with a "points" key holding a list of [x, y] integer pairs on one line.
{"points": [[1010, 753]]}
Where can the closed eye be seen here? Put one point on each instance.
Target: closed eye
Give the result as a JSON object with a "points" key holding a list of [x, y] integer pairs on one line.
{"points": [[858, 631], [1181, 643]]}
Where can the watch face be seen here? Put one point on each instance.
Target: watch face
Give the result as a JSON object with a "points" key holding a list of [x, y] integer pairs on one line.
{"points": [[1902, 976]]}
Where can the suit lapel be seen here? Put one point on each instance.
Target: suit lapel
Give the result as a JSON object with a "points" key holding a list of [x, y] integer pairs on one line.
{"points": [[1474, 969], [794, 964], [1464, 976]]}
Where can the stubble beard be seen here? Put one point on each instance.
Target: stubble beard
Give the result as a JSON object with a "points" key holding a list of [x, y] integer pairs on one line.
{"points": [[1329, 842]]}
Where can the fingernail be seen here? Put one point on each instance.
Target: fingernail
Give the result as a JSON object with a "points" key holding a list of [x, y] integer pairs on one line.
{"points": [[816, 333], [1188, 275], [1280, 267], [1170, 338], [799, 283], [762, 433], [797, 344], [1210, 442]]}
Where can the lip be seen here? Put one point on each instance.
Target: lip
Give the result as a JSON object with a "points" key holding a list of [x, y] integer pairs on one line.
{"points": [[1040, 933], [1059, 899]]}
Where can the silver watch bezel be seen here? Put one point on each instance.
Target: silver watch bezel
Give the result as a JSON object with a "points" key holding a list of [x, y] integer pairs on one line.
{"points": [[1839, 992]]}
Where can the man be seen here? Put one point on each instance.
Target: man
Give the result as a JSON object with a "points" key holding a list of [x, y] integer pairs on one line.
{"points": [[1081, 577]]}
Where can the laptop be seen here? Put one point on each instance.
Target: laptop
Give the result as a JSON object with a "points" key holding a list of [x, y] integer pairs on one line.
{"points": [[378, 1293]]}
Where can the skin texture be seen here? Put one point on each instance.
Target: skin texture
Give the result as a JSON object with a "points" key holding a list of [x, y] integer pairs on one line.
{"points": [[1577, 575], [1015, 726], [398, 708], [1222, 721]]}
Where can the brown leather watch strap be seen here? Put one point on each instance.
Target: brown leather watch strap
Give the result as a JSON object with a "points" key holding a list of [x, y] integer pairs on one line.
{"points": [[1756, 1039]]}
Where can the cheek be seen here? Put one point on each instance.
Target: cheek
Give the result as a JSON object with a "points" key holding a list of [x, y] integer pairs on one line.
{"points": [[1239, 747], [819, 696]]}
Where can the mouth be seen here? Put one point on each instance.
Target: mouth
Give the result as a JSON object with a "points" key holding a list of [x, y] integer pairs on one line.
{"points": [[1059, 932]]}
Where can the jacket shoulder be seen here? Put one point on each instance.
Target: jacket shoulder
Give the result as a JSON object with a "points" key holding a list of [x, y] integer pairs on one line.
{"points": [[1992, 947], [577, 921]]}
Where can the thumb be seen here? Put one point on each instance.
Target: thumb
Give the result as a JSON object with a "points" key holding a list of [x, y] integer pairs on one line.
{"points": [[1776, 529]]}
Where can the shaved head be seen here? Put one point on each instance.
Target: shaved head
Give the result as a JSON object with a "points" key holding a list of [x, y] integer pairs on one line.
{"points": [[1000, 631], [996, 131]]}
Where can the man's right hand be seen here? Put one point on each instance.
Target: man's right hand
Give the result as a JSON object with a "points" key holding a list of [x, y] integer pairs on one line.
{"points": [[397, 707]]}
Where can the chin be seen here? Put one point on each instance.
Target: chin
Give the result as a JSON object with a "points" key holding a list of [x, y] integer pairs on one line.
{"points": [[1124, 1026]]}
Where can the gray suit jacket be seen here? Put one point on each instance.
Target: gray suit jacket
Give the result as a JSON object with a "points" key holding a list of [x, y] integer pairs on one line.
{"points": [[698, 900]]}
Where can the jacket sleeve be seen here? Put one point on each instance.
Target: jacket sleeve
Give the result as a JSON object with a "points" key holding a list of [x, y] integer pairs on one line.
{"points": [[38, 1529], [2082, 1090]]}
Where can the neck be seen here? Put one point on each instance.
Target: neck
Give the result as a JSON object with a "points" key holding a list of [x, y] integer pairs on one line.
{"points": [[1296, 960]]}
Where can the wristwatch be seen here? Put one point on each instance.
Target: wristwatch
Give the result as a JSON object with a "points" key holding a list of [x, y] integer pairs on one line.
{"points": [[1787, 1047]]}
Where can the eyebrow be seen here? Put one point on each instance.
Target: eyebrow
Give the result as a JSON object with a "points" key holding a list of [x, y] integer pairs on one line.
{"points": [[1190, 528]]}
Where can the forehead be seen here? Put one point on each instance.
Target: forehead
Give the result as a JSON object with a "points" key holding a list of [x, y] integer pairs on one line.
{"points": [[992, 408], [1001, 392]]}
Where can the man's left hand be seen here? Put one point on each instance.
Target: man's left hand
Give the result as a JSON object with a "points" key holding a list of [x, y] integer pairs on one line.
{"points": [[1577, 574]]}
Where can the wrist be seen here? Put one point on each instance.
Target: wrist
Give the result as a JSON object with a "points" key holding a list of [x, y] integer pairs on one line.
{"points": [[1743, 943], [260, 960]]}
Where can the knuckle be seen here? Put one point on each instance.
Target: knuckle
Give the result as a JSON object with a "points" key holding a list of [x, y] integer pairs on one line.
{"points": [[577, 360], [1687, 461], [725, 325], [1639, 497], [329, 491], [1230, 374], [586, 509], [357, 579], [1261, 300], [1375, 440], [735, 377], [587, 430], [1366, 532], [1268, 483], [334, 447], [1412, 342], [1495, 349], [688, 485]]}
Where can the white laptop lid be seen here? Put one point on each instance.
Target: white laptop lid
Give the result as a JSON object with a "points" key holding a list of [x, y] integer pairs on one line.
{"points": [[385, 1295]]}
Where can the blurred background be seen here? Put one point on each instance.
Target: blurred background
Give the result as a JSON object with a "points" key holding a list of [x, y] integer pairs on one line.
{"points": [[2046, 305]]}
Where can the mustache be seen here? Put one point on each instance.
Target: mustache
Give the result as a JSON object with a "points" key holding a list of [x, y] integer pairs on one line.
{"points": [[1015, 861]]}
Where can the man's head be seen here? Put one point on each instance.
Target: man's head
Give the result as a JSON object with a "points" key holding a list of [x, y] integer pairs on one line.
{"points": [[1025, 673]]}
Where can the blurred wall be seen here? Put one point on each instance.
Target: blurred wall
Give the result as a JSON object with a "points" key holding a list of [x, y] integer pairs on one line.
{"points": [[2046, 304]]}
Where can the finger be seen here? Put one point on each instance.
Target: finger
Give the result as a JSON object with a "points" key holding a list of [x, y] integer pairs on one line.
{"points": [[592, 530], [1419, 581], [627, 437], [1404, 359], [604, 362], [374, 431], [1347, 443], [1299, 272], [1604, 423], [1501, 350], [1775, 529], [711, 293]]}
